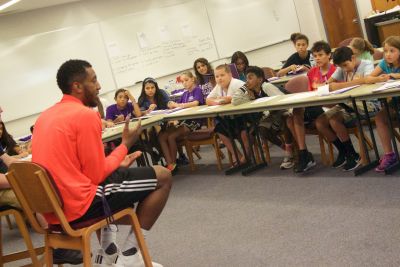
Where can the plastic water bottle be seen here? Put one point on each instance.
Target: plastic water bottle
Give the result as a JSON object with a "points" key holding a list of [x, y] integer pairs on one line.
{"points": [[312, 60]]}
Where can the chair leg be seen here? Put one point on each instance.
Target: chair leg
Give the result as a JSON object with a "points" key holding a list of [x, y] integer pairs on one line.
{"points": [[196, 153], [87, 259], [189, 152], [330, 149], [25, 234], [142, 244], [9, 222], [218, 153], [322, 148], [257, 154], [266, 151], [48, 252]]}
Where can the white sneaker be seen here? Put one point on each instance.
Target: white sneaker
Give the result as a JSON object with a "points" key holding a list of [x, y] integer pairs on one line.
{"points": [[135, 260], [287, 163], [102, 259]]}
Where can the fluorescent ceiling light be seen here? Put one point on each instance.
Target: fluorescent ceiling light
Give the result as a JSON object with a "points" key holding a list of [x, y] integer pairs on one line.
{"points": [[10, 3]]}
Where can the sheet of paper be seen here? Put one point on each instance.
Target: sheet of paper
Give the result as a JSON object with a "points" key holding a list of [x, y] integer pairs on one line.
{"points": [[142, 38], [387, 85], [187, 30], [207, 108], [263, 99], [298, 96], [323, 90], [343, 90], [165, 35], [181, 110]]}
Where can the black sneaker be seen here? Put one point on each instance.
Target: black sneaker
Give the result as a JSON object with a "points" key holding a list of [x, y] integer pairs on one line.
{"points": [[305, 163], [67, 256], [352, 162], [340, 161], [182, 160]]}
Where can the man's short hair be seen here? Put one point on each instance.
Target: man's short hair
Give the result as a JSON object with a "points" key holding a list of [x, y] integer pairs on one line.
{"points": [[321, 46], [256, 71], [224, 67], [341, 55], [71, 71]]}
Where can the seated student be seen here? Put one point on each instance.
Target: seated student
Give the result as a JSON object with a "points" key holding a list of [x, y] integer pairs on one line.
{"points": [[241, 62], [168, 138], [204, 75], [362, 49], [220, 95], [85, 178], [272, 123], [301, 58], [388, 68], [317, 75], [332, 124], [152, 97], [117, 113], [8, 143]]}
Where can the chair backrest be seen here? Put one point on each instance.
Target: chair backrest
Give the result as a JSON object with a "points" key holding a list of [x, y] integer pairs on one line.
{"points": [[35, 192], [377, 54], [297, 84], [268, 72]]}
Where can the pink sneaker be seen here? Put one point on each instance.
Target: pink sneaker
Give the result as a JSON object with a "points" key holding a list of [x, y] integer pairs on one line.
{"points": [[386, 161]]}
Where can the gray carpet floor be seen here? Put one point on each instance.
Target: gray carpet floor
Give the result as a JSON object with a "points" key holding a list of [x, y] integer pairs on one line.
{"points": [[325, 217]]}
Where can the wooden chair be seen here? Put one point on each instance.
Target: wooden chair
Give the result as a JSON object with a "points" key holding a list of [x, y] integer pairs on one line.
{"points": [[36, 193], [377, 54], [203, 137], [268, 72], [345, 42], [31, 252], [299, 84]]}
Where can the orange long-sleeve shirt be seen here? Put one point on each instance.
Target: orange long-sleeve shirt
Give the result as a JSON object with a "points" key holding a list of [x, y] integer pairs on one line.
{"points": [[67, 142]]}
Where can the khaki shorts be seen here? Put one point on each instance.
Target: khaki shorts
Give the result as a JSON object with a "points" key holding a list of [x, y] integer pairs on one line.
{"points": [[7, 197], [336, 110]]}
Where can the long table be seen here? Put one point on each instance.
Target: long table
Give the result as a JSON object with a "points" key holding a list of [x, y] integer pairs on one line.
{"points": [[306, 99]]}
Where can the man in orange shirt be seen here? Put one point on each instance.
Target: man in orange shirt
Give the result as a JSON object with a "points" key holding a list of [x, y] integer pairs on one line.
{"points": [[68, 144]]}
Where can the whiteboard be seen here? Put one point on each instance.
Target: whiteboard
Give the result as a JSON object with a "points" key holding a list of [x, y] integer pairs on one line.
{"points": [[28, 67], [248, 25], [158, 42]]}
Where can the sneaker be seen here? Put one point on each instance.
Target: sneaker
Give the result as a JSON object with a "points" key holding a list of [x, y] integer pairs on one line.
{"points": [[135, 260], [102, 259], [287, 163], [305, 163], [352, 162], [182, 160], [67, 256], [386, 161], [340, 161]]}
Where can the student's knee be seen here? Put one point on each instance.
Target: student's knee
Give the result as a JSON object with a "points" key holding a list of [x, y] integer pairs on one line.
{"points": [[163, 175]]}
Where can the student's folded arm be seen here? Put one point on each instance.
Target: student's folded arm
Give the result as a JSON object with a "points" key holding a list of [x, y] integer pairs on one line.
{"points": [[333, 86], [283, 71], [136, 109], [240, 96], [395, 75], [7, 159], [90, 149], [373, 77], [212, 101], [190, 104]]}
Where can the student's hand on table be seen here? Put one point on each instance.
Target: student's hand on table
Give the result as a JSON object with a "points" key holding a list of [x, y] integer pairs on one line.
{"points": [[129, 159], [293, 67], [383, 77], [172, 104], [131, 135], [151, 108], [108, 124], [394, 75], [120, 118]]}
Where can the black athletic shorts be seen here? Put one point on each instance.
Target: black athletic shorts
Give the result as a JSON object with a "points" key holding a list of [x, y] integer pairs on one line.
{"points": [[122, 189]]}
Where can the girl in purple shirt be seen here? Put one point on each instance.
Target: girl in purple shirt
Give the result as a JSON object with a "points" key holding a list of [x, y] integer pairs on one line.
{"points": [[192, 97], [118, 112]]}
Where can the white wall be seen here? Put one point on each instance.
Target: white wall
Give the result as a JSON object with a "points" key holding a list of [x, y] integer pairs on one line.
{"points": [[89, 11]]}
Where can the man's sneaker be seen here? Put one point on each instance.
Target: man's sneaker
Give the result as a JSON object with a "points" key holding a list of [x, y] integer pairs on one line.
{"points": [[340, 161], [352, 162], [67, 256], [287, 163], [305, 163], [135, 260], [102, 259], [386, 161]]}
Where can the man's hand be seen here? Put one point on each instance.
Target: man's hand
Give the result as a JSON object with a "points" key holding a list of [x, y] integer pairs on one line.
{"points": [[130, 136], [129, 159], [119, 118]]}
